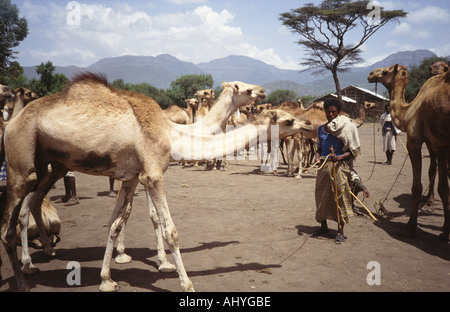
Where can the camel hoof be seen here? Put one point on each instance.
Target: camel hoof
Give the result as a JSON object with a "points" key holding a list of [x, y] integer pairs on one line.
{"points": [[444, 237], [30, 269], [167, 268], [122, 258], [109, 286], [298, 177], [188, 287]]}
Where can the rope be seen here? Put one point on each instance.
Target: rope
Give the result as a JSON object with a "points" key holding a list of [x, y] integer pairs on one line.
{"points": [[374, 153]]}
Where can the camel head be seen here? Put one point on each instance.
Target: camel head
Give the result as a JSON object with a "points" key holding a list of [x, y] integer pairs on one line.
{"points": [[287, 122], [389, 76], [262, 107], [369, 105], [26, 95], [243, 93], [438, 68], [5, 92], [192, 103], [207, 94]]}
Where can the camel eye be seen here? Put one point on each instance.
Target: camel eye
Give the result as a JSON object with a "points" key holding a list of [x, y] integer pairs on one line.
{"points": [[249, 91], [384, 73], [289, 122]]}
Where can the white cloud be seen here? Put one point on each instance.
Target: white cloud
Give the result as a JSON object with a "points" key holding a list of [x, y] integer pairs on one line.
{"points": [[199, 35], [182, 2], [402, 29], [429, 15]]}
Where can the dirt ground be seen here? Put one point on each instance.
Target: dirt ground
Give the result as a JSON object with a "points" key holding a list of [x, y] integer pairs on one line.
{"points": [[242, 231]]}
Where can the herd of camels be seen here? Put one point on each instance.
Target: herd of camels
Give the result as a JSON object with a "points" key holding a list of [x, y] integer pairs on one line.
{"points": [[40, 144]]}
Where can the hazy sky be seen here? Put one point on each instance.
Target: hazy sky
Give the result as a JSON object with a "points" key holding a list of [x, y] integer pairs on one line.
{"points": [[82, 32]]}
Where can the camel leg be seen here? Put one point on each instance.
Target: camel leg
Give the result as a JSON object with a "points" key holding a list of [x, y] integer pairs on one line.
{"points": [[122, 257], [431, 177], [33, 203], [443, 193], [298, 148], [155, 187], [165, 266], [8, 230], [290, 151], [415, 156], [118, 218]]}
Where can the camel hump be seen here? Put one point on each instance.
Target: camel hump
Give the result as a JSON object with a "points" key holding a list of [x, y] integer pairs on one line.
{"points": [[89, 76]]}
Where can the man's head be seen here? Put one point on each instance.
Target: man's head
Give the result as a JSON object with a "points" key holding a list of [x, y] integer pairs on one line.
{"points": [[332, 108], [387, 108]]}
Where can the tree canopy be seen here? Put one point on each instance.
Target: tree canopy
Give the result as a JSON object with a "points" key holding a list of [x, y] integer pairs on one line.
{"points": [[13, 30], [49, 82], [185, 87], [323, 29]]}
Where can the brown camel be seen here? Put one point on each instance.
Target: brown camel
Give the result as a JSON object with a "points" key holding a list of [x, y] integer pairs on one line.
{"points": [[22, 97], [5, 95], [135, 142], [425, 120], [52, 223], [438, 68], [435, 69]]}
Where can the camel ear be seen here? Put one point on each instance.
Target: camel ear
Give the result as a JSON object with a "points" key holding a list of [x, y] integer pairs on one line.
{"points": [[396, 68]]}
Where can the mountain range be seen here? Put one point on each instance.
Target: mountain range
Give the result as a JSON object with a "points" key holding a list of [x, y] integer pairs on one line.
{"points": [[161, 70]]}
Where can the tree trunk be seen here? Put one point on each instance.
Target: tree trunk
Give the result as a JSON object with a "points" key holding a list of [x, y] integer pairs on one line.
{"points": [[337, 84]]}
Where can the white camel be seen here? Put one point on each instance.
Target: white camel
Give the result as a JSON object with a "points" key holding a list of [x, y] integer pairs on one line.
{"points": [[134, 142]]}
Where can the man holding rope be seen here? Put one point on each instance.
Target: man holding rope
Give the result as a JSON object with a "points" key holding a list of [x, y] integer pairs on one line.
{"points": [[337, 145]]}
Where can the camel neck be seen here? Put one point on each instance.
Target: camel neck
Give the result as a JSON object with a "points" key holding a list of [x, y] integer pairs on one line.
{"points": [[18, 106], [398, 104], [219, 113], [199, 144]]}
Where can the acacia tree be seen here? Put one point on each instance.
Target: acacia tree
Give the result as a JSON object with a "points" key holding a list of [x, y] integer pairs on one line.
{"points": [[324, 27]]}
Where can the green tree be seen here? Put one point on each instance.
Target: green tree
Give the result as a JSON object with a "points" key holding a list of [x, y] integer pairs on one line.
{"points": [[185, 87], [323, 29], [49, 82], [279, 96], [417, 75], [13, 30], [15, 77]]}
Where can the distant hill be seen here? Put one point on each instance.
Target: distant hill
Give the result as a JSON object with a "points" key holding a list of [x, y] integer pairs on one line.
{"points": [[161, 70]]}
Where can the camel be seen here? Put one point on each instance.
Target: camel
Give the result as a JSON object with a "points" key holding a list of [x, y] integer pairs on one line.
{"points": [[206, 98], [52, 223], [425, 120], [438, 68], [179, 114], [5, 95], [435, 69], [22, 97], [137, 148]]}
